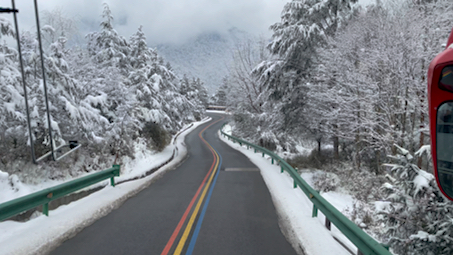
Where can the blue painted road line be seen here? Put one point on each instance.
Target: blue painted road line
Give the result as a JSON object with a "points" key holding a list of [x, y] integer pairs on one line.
{"points": [[193, 240]]}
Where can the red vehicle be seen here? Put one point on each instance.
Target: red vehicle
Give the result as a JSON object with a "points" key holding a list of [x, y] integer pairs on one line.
{"points": [[440, 96]]}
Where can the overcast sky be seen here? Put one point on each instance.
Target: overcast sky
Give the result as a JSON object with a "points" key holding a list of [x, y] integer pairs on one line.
{"points": [[163, 20]]}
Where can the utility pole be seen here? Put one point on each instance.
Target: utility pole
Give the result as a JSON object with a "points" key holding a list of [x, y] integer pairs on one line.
{"points": [[15, 11]]}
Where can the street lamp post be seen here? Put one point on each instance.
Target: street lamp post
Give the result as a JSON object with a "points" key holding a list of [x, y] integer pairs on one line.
{"points": [[49, 121], [15, 11], [73, 145]]}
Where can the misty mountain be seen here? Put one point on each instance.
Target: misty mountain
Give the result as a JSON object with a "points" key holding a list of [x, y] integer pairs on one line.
{"points": [[205, 56]]}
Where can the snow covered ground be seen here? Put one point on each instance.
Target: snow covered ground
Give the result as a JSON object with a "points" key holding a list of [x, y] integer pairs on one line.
{"points": [[43, 233], [295, 209]]}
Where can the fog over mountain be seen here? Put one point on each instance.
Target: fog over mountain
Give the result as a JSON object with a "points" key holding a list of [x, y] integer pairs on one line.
{"points": [[205, 56]]}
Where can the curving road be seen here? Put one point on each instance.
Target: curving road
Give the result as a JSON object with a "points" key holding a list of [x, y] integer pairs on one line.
{"points": [[215, 202]]}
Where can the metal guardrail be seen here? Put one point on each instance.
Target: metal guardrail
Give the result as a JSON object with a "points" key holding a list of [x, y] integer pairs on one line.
{"points": [[366, 244], [43, 197]]}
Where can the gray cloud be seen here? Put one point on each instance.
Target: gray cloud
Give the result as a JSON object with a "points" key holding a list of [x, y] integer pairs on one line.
{"points": [[164, 20]]}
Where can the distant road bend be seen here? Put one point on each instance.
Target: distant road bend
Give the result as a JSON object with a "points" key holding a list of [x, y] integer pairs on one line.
{"points": [[215, 202]]}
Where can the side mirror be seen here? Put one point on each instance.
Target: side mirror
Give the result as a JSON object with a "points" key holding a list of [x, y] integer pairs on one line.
{"points": [[440, 97]]}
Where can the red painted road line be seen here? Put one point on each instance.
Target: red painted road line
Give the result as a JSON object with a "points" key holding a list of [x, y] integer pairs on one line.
{"points": [[184, 216]]}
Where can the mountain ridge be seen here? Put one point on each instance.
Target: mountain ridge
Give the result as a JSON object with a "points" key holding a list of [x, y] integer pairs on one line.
{"points": [[205, 56]]}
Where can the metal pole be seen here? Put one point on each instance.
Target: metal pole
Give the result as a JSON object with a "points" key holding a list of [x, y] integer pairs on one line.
{"points": [[32, 145], [44, 80]]}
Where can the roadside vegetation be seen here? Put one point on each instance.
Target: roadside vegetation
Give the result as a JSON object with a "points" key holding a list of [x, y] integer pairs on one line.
{"points": [[351, 81], [109, 93]]}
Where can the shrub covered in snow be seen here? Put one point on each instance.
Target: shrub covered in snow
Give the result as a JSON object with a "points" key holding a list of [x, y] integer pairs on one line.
{"points": [[417, 217], [158, 137], [326, 182]]}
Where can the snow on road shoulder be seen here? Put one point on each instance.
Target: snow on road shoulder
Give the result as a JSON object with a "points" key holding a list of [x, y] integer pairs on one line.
{"points": [[146, 160], [295, 209], [42, 234], [341, 201]]}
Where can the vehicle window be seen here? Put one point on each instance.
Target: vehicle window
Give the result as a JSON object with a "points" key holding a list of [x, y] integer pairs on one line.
{"points": [[446, 79], [445, 147]]}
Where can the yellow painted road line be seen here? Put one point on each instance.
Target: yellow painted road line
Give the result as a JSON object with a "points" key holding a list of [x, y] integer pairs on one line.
{"points": [[192, 202], [185, 235]]}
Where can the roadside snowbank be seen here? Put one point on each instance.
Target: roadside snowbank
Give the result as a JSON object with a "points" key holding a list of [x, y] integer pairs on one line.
{"points": [[42, 234], [295, 209]]}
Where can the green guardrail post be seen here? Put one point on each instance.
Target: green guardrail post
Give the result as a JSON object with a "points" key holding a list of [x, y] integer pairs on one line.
{"points": [[263, 154], [255, 150], [116, 172], [295, 184], [282, 170], [314, 214], [272, 161], [45, 209], [315, 208]]}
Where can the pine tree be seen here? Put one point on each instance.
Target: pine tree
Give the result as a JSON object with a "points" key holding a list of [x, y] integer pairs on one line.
{"points": [[416, 216], [221, 96], [110, 53], [304, 26], [76, 118], [109, 96], [142, 84], [107, 46], [284, 77], [13, 121]]}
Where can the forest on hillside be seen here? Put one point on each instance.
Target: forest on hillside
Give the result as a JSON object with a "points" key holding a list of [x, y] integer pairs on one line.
{"points": [[109, 94], [352, 81]]}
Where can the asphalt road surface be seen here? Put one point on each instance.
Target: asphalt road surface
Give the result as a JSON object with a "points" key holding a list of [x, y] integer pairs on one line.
{"points": [[215, 202]]}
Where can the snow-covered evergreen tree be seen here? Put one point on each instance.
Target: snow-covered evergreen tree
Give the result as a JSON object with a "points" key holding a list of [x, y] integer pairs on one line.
{"points": [[110, 53], [13, 121], [109, 95], [416, 216], [76, 118], [107, 46], [220, 96], [304, 26], [279, 83], [194, 91]]}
